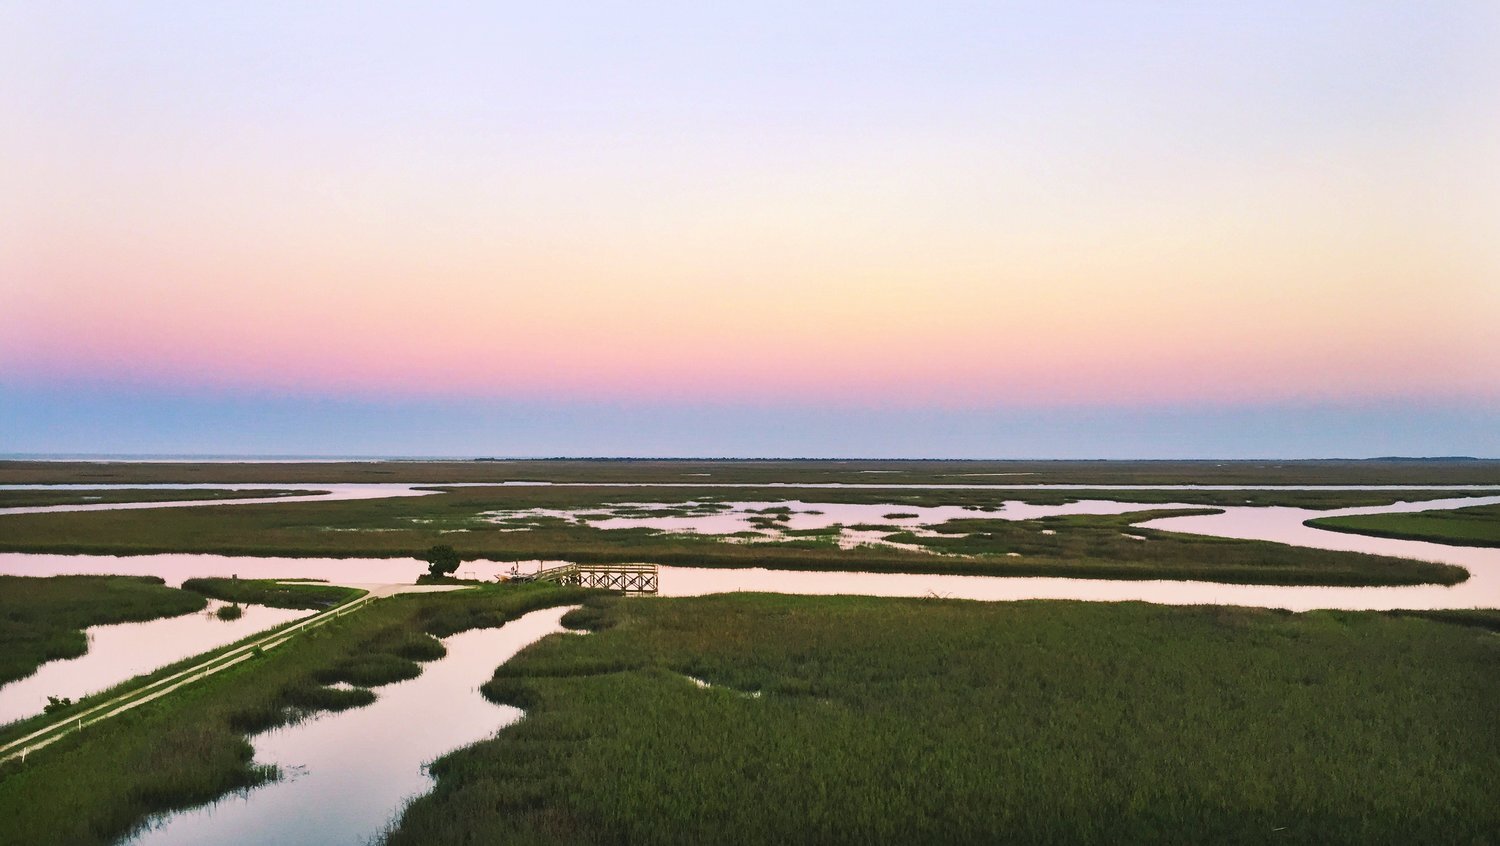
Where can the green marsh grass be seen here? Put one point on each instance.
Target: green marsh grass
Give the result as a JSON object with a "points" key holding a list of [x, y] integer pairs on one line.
{"points": [[309, 595], [399, 527], [39, 498], [1484, 618], [189, 747], [1105, 541], [1477, 525], [42, 619], [928, 721]]}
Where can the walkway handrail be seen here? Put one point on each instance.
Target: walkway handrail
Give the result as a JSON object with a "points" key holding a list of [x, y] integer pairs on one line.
{"points": [[553, 574], [266, 640], [628, 578]]}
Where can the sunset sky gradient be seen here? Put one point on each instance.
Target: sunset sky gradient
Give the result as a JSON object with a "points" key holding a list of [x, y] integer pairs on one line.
{"points": [[788, 229]]}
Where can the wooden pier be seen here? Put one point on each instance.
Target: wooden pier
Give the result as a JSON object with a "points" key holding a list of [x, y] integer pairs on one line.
{"points": [[626, 578]]}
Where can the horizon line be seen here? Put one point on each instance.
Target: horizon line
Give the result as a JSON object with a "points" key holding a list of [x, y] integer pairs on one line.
{"points": [[227, 458]]}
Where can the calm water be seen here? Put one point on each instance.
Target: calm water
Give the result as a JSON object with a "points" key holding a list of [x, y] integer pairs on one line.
{"points": [[386, 490], [1482, 589], [346, 775], [176, 567], [121, 652], [737, 517], [333, 492]]}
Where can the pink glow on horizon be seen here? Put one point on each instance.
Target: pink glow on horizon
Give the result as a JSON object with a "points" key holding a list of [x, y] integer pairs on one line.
{"points": [[213, 318], [950, 345], [597, 361], [1124, 206]]}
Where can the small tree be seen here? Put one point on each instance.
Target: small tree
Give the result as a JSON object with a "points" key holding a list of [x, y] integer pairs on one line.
{"points": [[441, 560]]}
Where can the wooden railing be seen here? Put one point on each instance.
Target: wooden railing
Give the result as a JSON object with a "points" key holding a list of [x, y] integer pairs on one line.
{"points": [[626, 578]]}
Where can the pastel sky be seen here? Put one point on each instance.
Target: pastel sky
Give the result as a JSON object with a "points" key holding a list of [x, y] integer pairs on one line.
{"points": [[777, 229]]}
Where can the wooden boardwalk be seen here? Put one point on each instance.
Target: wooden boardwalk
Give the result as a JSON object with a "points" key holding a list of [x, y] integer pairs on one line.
{"points": [[626, 578]]}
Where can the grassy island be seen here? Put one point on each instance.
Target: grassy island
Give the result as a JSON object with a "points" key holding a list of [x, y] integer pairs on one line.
{"points": [[95, 786], [40, 498], [1078, 546], [43, 620], [761, 719], [1474, 526]]}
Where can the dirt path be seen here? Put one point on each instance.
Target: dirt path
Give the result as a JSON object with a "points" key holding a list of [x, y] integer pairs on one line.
{"points": [[22, 746]]}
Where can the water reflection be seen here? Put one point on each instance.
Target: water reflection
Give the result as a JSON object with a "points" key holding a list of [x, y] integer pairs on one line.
{"points": [[329, 493], [768, 521], [123, 651], [1481, 590], [174, 568], [346, 774]]}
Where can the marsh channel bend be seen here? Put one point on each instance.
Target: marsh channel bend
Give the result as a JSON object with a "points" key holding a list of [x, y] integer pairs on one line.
{"points": [[337, 786], [1280, 524]]}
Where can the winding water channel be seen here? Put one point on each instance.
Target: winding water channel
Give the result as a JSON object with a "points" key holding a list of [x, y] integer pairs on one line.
{"points": [[1281, 524], [120, 652], [346, 776]]}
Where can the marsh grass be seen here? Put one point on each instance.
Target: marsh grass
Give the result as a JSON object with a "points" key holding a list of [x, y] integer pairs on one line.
{"points": [[928, 721], [1484, 618], [41, 498], [190, 747], [306, 595], [1477, 525], [42, 619], [370, 670], [398, 527], [312, 698], [1102, 541]]}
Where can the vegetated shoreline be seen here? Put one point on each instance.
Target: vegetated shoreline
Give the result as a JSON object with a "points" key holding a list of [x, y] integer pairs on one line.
{"points": [[20, 728], [45, 498], [1477, 526], [1398, 535], [402, 527], [898, 496], [44, 619], [1414, 572], [189, 748], [272, 592], [907, 724], [916, 679], [121, 598]]}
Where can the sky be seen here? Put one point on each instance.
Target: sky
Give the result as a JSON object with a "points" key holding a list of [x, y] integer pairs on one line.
{"points": [[1052, 229]]}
